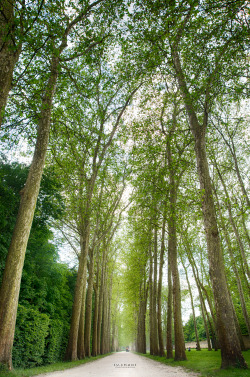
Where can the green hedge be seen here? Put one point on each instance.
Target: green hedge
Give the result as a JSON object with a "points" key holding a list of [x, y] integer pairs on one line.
{"points": [[55, 342], [29, 343]]}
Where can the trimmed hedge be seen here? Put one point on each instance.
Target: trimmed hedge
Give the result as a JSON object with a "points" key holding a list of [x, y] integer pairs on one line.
{"points": [[56, 342], [29, 343]]}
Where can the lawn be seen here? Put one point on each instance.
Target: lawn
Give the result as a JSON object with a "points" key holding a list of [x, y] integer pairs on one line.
{"points": [[207, 363]]}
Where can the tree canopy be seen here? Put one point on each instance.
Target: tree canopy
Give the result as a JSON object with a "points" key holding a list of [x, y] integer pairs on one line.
{"points": [[133, 117]]}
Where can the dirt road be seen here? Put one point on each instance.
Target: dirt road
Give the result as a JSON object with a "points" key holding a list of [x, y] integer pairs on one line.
{"points": [[123, 364]]}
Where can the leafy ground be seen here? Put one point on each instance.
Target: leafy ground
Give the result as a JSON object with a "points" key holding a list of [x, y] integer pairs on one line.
{"points": [[207, 363], [47, 368]]}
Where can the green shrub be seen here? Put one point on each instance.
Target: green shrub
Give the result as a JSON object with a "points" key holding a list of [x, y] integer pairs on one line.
{"points": [[55, 342], [31, 332]]}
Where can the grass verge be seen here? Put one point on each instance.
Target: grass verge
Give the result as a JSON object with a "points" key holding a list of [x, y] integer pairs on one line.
{"points": [[207, 363], [47, 368]]}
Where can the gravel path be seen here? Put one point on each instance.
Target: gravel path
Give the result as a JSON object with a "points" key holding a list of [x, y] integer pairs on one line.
{"points": [[123, 364]]}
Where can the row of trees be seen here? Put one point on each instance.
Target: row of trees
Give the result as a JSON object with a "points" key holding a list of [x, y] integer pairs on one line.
{"points": [[73, 68], [47, 286], [166, 214], [203, 47]]}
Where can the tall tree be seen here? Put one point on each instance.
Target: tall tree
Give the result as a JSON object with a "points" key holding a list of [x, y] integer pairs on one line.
{"points": [[14, 264]]}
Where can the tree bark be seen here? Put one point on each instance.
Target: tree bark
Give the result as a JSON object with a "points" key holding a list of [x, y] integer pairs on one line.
{"points": [[160, 335], [9, 51], [79, 294], [10, 287], [81, 329], [169, 341], [230, 347], [156, 338], [152, 317], [231, 147], [100, 309], [201, 288], [203, 312], [235, 269], [180, 353], [88, 316], [96, 312], [104, 333], [235, 229], [141, 324]]}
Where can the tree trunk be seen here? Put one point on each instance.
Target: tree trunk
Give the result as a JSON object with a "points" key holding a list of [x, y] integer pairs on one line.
{"points": [[104, 334], [193, 311], [204, 320], [79, 296], [81, 329], [230, 347], [9, 52], [201, 288], [109, 313], [235, 270], [96, 312], [180, 353], [156, 349], [100, 309], [231, 147], [141, 324], [235, 229], [9, 292], [152, 324], [88, 316], [160, 335], [169, 310]]}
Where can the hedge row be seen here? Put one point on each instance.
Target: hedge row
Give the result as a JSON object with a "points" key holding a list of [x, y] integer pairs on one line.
{"points": [[38, 339]]}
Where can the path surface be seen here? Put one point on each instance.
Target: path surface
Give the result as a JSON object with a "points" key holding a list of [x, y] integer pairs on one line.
{"points": [[123, 364]]}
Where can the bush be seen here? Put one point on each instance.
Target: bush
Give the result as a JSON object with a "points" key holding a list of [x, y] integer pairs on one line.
{"points": [[55, 342], [31, 332]]}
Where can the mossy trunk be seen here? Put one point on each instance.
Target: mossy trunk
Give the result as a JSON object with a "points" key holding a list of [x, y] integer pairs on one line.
{"points": [[10, 287], [9, 51]]}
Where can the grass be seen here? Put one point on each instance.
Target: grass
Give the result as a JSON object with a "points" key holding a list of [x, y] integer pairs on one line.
{"points": [[207, 363], [47, 368]]}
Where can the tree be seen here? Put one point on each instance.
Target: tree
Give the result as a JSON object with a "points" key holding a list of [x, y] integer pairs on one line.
{"points": [[14, 264], [175, 47]]}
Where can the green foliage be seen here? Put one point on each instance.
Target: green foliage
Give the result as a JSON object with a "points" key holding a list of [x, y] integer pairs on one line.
{"points": [[31, 332], [46, 292], [55, 342], [189, 333], [93, 85]]}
